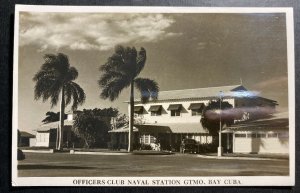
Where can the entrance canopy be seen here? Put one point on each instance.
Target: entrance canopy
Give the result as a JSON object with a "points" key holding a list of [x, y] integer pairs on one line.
{"points": [[165, 128]]}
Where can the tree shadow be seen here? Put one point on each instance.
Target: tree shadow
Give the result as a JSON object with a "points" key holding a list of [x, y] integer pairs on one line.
{"points": [[40, 166]]}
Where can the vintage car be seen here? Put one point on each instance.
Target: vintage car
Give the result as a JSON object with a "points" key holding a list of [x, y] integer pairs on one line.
{"points": [[188, 145]]}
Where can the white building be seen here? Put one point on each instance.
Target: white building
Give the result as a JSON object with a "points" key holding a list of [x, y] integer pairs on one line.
{"points": [[176, 114], [46, 133], [268, 135]]}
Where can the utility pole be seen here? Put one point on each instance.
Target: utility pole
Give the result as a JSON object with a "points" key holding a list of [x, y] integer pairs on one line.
{"points": [[220, 148]]}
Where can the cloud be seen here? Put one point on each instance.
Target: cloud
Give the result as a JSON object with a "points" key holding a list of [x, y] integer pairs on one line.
{"points": [[281, 81], [91, 31], [201, 45]]}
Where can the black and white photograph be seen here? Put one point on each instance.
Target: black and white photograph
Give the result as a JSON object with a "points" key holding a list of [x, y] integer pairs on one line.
{"points": [[153, 96]]}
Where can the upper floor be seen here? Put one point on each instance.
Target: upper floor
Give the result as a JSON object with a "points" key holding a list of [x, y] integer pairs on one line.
{"points": [[186, 105]]}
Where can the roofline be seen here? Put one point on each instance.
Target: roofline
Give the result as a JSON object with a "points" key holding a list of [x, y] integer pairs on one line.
{"points": [[238, 85], [202, 88]]}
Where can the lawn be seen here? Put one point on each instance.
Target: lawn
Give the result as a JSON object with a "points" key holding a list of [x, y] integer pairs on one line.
{"points": [[64, 164]]}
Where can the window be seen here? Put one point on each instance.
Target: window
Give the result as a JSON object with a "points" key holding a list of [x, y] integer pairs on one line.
{"points": [[196, 112], [283, 135], [272, 135], [138, 110], [152, 139], [156, 113], [240, 135], [261, 135], [147, 139], [175, 109], [251, 135], [175, 113], [196, 108], [155, 110]]}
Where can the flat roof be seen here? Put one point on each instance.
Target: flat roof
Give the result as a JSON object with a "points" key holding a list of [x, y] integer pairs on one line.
{"points": [[53, 125], [165, 128]]}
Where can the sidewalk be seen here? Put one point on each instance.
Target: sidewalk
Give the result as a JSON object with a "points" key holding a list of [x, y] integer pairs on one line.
{"points": [[246, 156]]}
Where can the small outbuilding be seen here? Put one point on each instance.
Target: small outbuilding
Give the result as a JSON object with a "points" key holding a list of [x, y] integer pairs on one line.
{"points": [[25, 139]]}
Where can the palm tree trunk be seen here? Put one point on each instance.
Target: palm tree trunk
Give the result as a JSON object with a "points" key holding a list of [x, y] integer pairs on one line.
{"points": [[130, 133], [61, 119]]}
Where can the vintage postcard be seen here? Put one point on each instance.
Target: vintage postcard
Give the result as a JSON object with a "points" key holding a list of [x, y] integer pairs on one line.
{"points": [[153, 96]]}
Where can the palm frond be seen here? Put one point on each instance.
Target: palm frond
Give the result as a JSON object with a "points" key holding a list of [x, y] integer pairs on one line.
{"points": [[53, 75], [140, 60], [147, 87], [108, 77], [112, 89], [72, 74], [78, 95], [59, 63], [114, 62], [46, 88], [54, 97], [68, 93]]}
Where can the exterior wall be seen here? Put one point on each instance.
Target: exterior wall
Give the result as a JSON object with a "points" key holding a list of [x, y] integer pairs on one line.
{"points": [[165, 117], [70, 117], [272, 142], [200, 138], [42, 139], [32, 142]]}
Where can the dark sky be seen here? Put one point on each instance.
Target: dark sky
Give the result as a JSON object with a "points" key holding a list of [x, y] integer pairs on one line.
{"points": [[186, 50]]}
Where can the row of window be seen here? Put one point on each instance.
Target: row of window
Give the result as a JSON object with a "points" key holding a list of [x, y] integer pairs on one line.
{"points": [[175, 109], [41, 137], [261, 135]]}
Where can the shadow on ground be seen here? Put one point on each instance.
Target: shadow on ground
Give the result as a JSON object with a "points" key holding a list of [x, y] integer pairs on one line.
{"points": [[37, 167]]}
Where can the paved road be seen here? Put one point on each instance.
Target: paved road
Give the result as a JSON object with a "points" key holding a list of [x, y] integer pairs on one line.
{"points": [[63, 164]]}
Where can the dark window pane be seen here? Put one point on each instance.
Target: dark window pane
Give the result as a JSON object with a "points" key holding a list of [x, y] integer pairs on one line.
{"points": [[272, 135], [252, 135], [261, 135], [240, 135], [175, 113]]}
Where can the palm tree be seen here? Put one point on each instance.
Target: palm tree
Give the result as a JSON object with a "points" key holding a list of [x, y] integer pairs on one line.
{"points": [[52, 117], [121, 71], [54, 80]]}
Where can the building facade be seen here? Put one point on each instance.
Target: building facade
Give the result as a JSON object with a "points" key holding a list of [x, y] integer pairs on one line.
{"points": [[176, 115], [46, 134], [267, 135]]}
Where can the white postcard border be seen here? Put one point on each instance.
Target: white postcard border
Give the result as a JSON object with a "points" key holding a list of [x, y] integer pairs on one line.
{"points": [[245, 180]]}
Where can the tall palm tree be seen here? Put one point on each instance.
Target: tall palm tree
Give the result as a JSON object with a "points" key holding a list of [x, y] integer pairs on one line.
{"points": [[121, 71], [54, 80]]}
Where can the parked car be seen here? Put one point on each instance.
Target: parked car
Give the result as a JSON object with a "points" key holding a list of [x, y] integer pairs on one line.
{"points": [[20, 155], [188, 145]]}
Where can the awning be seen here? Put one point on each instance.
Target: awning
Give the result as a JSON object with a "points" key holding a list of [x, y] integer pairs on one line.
{"points": [[153, 128], [187, 128], [155, 108], [122, 130], [138, 109], [196, 106], [174, 107], [183, 128]]}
